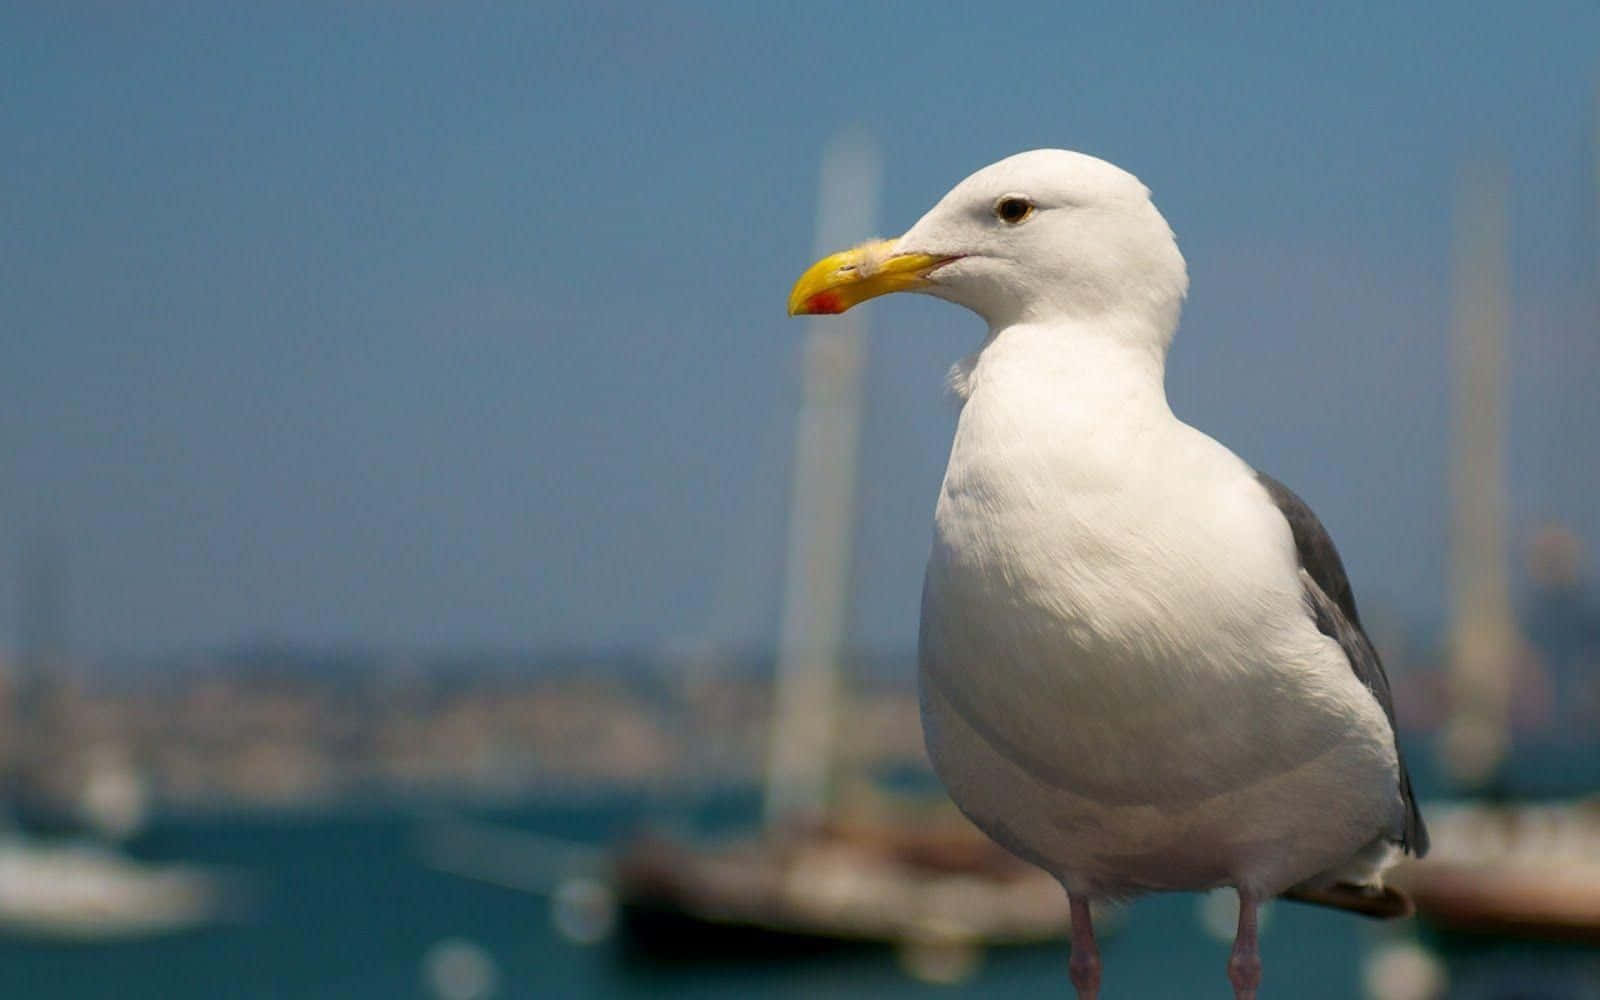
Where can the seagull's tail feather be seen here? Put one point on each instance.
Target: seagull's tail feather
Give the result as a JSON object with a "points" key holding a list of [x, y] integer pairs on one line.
{"points": [[1383, 902]]}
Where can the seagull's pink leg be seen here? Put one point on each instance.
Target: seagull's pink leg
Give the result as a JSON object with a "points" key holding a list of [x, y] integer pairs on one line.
{"points": [[1085, 962], [1244, 965]]}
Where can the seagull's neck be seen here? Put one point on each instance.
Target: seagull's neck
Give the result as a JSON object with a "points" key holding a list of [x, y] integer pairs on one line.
{"points": [[1059, 417], [1102, 373]]}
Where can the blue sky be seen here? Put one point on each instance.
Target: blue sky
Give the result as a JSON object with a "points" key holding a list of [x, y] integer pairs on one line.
{"points": [[463, 324]]}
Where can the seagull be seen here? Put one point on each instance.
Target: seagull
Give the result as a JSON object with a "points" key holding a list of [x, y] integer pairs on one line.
{"points": [[1140, 664]]}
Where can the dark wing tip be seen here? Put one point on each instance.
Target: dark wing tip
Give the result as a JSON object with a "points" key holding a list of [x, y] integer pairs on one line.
{"points": [[1416, 840], [1380, 902]]}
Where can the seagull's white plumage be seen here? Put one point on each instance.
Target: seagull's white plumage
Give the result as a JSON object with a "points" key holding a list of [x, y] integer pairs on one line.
{"points": [[1139, 668]]}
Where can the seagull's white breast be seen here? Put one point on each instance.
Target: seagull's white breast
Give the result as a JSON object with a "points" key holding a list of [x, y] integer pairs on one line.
{"points": [[1120, 679]]}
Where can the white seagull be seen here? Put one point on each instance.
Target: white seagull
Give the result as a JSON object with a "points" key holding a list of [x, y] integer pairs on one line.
{"points": [[1141, 666]]}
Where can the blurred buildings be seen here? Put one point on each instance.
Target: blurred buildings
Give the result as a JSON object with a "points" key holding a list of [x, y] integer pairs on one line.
{"points": [[1561, 617], [296, 728]]}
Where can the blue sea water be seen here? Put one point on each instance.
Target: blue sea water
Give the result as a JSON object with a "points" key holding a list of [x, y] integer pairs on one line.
{"points": [[342, 906]]}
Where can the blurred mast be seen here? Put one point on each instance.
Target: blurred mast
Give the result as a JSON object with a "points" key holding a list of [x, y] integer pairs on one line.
{"points": [[41, 618], [41, 648], [822, 504], [1483, 632], [27, 706]]}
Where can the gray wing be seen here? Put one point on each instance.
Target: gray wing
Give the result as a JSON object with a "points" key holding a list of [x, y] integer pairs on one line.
{"points": [[1333, 605]]}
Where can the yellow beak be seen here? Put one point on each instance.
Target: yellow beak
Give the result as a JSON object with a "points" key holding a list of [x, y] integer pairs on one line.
{"points": [[834, 284]]}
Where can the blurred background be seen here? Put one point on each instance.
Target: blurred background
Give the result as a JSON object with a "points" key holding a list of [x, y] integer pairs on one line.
{"points": [[432, 565]]}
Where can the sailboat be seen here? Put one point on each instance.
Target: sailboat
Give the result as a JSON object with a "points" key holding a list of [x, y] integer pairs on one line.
{"points": [[824, 870], [62, 875]]}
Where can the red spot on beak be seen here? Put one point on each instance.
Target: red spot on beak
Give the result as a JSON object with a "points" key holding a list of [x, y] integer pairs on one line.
{"points": [[828, 303]]}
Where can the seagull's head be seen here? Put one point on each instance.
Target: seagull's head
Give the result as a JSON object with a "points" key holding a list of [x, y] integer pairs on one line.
{"points": [[1039, 236]]}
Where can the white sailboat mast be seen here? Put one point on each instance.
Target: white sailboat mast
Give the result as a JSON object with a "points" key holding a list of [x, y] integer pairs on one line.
{"points": [[822, 505], [1483, 634]]}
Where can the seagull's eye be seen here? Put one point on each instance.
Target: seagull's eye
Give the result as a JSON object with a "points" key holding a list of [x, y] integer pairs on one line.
{"points": [[1012, 209]]}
